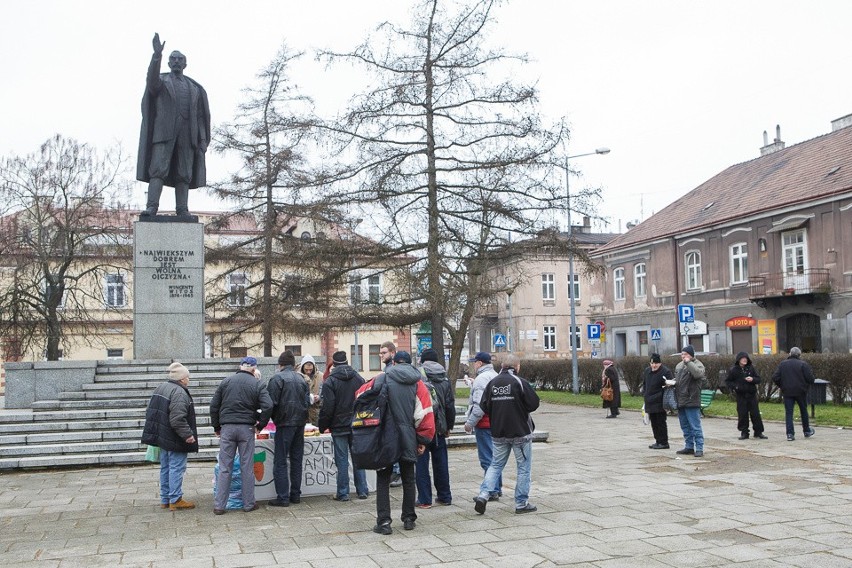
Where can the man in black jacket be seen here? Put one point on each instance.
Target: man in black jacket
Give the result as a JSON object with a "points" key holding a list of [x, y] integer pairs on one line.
{"points": [[654, 378], [508, 400], [234, 416], [794, 377], [444, 411], [170, 425], [743, 379], [291, 399], [338, 399]]}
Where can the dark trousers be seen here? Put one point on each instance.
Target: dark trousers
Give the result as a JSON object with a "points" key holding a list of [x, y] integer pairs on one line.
{"points": [[659, 427], [383, 478], [747, 406], [289, 443], [789, 403], [437, 451]]}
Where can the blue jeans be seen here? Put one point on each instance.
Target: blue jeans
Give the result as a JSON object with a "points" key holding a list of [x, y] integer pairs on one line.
{"points": [[172, 468], [523, 457], [690, 423], [342, 442], [234, 437], [485, 450], [790, 403], [440, 466], [289, 443]]}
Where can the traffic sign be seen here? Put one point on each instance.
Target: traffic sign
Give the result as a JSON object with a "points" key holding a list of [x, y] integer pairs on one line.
{"points": [[593, 332], [499, 340], [685, 313], [656, 334]]}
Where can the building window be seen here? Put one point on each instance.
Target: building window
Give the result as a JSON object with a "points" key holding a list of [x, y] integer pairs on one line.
{"points": [[114, 296], [356, 359], [237, 285], [618, 283], [639, 279], [576, 287], [795, 252], [693, 271], [115, 353], [296, 350], [739, 263], [237, 352], [375, 358], [548, 287], [549, 338], [576, 336], [365, 290]]}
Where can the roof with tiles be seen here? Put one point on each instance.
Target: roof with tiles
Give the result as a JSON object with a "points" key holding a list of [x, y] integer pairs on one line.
{"points": [[814, 169]]}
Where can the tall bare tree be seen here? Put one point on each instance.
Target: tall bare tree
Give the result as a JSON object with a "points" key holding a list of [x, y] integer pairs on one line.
{"points": [[61, 232], [452, 151]]}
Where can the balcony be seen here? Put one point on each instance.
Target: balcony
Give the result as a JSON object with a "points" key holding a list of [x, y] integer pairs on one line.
{"points": [[810, 285]]}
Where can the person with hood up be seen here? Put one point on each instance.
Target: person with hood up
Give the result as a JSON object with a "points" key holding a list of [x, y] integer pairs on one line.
{"points": [[338, 399], [436, 377], [654, 378], [609, 375], [794, 377], [743, 379], [411, 405], [308, 367]]}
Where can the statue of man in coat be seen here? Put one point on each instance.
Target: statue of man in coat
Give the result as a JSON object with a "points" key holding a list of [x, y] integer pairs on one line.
{"points": [[175, 132]]}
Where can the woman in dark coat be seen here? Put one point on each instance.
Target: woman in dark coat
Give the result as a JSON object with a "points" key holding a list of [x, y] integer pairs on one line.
{"points": [[611, 375], [743, 379], [653, 381]]}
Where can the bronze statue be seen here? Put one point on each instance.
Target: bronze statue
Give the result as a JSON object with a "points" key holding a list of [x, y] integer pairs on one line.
{"points": [[175, 132]]}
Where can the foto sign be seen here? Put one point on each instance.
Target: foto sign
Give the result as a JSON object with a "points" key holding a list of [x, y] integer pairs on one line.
{"points": [[685, 313]]}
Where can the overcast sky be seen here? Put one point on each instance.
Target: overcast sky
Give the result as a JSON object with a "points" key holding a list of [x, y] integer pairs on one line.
{"points": [[678, 89]]}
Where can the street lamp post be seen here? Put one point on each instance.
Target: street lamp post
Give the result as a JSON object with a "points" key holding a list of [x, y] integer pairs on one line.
{"points": [[575, 368]]}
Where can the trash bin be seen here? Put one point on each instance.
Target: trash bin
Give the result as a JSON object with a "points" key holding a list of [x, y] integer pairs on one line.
{"points": [[817, 392]]}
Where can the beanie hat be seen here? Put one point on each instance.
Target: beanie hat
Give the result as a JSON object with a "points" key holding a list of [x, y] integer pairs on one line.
{"points": [[177, 371], [339, 358], [286, 359], [402, 357], [655, 358], [689, 349], [429, 354]]}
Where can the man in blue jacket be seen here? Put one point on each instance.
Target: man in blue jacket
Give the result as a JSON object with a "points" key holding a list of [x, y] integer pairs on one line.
{"points": [[170, 425]]}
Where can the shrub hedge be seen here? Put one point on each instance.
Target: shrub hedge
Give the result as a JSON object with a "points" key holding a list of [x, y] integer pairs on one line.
{"points": [[555, 374]]}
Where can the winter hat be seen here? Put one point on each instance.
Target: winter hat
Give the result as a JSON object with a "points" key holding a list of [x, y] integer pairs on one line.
{"points": [[248, 362], [287, 359], [655, 358], [689, 350], [428, 354], [607, 362], [339, 358], [177, 371], [402, 357]]}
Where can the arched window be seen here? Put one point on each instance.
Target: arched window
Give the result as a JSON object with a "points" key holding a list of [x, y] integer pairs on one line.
{"points": [[693, 270]]}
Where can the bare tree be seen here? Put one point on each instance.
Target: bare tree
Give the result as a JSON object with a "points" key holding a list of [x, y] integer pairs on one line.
{"points": [[59, 241], [452, 152]]}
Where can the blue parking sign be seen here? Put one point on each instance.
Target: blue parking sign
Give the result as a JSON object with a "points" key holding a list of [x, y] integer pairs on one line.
{"points": [[685, 313], [593, 331]]}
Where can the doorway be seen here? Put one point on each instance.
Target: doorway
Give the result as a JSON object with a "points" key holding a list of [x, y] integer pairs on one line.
{"points": [[741, 341]]}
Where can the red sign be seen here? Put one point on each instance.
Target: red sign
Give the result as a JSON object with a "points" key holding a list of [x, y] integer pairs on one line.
{"points": [[741, 321], [600, 323]]}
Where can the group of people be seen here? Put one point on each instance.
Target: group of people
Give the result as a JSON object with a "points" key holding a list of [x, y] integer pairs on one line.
{"points": [[793, 377], [243, 404]]}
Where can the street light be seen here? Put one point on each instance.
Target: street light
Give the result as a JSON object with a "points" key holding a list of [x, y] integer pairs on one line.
{"points": [[575, 368]]}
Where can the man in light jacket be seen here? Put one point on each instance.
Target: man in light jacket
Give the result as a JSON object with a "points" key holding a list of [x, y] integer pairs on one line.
{"points": [[477, 420], [689, 375]]}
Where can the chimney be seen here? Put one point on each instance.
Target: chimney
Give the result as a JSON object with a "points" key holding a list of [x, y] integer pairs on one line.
{"points": [[841, 122], [776, 145]]}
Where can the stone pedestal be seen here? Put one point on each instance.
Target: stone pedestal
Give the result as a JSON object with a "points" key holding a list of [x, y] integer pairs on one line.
{"points": [[168, 288]]}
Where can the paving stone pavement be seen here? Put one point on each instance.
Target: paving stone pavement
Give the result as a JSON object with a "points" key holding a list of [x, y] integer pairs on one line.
{"points": [[603, 500]]}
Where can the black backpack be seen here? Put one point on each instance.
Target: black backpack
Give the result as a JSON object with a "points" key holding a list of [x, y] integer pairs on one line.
{"points": [[375, 436], [441, 428]]}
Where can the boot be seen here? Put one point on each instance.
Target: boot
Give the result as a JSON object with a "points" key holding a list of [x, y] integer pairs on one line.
{"points": [[181, 504]]}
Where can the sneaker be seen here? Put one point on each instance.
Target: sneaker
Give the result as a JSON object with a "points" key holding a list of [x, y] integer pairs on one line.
{"points": [[278, 503], [408, 525], [363, 495], [181, 504], [396, 480], [527, 508], [444, 503], [383, 529], [762, 436], [218, 511], [685, 451], [423, 505], [790, 437], [699, 453], [659, 446], [341, 497], [254, 507], [810, 433], [480, 505]]}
